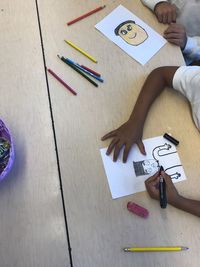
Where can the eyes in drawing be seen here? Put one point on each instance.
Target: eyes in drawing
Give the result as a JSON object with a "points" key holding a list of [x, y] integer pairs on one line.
{"points": [[124, 32], [131, 32]]}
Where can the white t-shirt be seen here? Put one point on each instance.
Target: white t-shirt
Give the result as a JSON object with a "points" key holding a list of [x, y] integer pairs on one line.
{"points": [[187, 81]]}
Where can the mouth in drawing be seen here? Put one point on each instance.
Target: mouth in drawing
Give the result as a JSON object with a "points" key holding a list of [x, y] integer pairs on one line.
{"points": [[133, 36]]}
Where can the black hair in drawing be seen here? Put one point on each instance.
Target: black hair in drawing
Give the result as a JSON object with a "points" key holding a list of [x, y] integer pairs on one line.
{"points": [[121, 24], [138, 167]]}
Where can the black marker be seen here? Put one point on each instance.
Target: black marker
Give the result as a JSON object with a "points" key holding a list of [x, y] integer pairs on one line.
{"points": [[171, 139], [162, 190]]}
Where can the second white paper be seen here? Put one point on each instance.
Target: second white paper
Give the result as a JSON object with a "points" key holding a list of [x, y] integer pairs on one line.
{"points": [[128, 178]]}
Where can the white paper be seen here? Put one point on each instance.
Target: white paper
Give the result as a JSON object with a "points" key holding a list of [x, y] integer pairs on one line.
{"points": [[128, 178], [141, 51]]}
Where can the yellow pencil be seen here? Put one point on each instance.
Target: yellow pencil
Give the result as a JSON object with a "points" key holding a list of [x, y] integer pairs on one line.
{"points": [[81, 51], [154, 249]]}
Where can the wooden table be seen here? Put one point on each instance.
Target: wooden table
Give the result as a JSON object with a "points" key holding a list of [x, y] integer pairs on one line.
{"points": [[32, 218], [32, 224]]}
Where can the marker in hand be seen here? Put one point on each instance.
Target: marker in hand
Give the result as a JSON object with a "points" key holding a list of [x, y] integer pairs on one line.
{"points": [[162, 190]]}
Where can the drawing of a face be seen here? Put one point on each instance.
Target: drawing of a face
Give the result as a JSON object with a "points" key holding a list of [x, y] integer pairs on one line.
{"points": [[145, 167], [131, 32], [150, 166]]}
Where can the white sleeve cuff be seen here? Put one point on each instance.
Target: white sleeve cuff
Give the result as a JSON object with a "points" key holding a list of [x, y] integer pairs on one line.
{"points": [[152, 3], [176, 83], [190, 45]]}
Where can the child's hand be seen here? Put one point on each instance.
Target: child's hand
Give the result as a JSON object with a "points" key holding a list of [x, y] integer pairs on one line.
{"points": [[153, 188], [125, 136], [165, 12], [176, 34]]}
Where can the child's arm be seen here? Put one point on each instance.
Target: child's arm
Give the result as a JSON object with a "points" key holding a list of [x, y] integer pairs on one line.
{"points": [[164, 11], [152, 3], [131, 131], [173, 197]]}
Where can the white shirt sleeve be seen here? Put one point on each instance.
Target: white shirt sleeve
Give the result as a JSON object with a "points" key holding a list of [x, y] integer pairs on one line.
{"points": [[152, 3], [187, 81], [191, 51]]}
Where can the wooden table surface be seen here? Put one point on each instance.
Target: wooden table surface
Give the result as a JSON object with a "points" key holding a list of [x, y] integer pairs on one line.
{"points": [[55, 205], [32, 224]]}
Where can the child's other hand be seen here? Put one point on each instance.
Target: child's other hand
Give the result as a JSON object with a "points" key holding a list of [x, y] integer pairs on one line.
{"points": [[165, 12], [176, 34], [125, 136], [153, 188]]}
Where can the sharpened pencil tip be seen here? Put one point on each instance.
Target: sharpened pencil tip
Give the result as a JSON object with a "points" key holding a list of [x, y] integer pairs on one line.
{"points": [[184, 248], [125, 249]]}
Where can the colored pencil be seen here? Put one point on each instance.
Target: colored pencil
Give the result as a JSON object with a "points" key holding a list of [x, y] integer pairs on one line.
{"points": [[154, 249], [85, 15], [77, 70], [80, 50], [84, 70], [92, 71], [62, 82]]}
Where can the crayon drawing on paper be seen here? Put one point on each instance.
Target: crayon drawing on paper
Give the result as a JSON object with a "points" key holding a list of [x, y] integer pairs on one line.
{"points": [[131, 34]]}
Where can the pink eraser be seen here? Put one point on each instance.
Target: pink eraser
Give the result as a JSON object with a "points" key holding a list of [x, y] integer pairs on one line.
{"points": [[135, 208]]}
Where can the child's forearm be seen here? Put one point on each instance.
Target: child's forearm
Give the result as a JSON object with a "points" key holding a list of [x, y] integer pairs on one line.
{"points": [[151, 4], [188, 205], [155, 83]]}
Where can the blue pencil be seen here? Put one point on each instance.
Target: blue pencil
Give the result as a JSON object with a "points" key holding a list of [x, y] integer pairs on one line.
{"points": [[86, 71], [78, 70]]}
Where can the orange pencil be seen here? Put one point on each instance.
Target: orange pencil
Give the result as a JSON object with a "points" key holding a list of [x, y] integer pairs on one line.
{"points": [[85, 15]]}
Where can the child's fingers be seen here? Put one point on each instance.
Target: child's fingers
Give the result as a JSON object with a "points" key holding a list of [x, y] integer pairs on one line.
{"points": [[174, 41], [169, 18], [108, 135], [152, 189], [167, 178], [174, 16], [111, 146], [117, 149], [151, 186], [172, 28], [171, 15], [160, 18], [164, 18], [173, 35], [126, 152], [153, 178], [141, 147]]}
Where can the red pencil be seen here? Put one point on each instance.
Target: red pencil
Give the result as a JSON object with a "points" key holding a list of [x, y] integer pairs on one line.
{"points": [[86, 15], [92, 71], [61, 81]]}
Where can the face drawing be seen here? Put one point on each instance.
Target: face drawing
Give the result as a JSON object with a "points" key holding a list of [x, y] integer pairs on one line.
{"points": [[145, 167], [150, 166], [131, 32]]}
